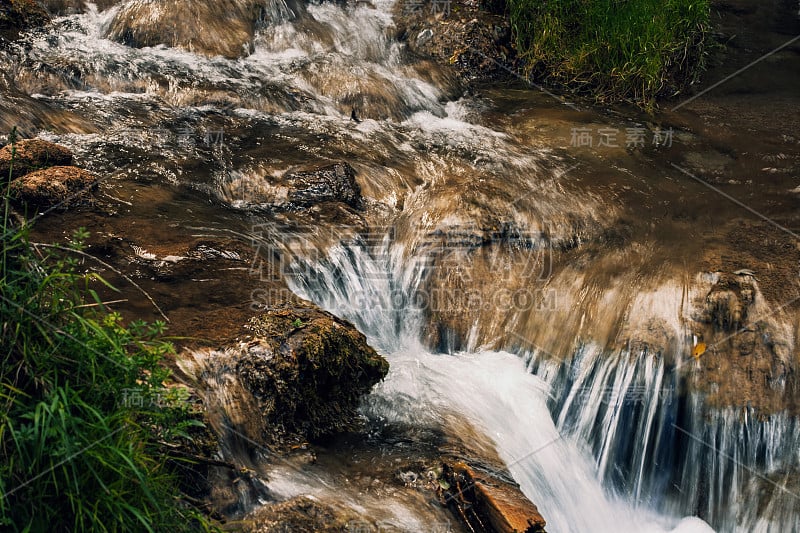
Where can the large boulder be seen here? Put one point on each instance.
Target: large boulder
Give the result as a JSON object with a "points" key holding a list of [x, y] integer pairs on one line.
{"points": [[30, 155], [19, 15], [213, 28], [308, 370], [299, 374], [55, 186]]}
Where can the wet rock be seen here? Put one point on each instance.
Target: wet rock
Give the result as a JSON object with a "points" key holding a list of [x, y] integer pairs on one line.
{"points": [[298, 375], [69, 7], [55, 186], [472, 37], [298, 514], [334, 183], [308, 370], [747, 355], [728, 302], [307, 196], [32, 154], [19, 15], [487, 504], [213, 28]]}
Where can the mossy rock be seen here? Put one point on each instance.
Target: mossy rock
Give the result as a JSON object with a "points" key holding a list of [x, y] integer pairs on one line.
{"points": [[308, 370], [54, 187]]}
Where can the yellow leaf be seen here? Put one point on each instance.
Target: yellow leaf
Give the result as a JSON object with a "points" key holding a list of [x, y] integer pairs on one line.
{"points": [[699, 349]]}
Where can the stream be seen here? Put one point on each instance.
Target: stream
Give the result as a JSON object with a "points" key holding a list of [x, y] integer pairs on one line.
{"points": [[535, 291]]}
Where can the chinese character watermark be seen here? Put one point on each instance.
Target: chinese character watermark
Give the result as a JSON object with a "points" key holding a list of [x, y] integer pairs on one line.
{"points": [[636, 137]]}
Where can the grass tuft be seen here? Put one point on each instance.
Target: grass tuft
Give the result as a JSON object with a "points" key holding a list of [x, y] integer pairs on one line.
{"points": [[613, 49]]}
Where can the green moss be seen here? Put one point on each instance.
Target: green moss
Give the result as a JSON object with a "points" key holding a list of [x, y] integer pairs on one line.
{"points": [[318, 373]]}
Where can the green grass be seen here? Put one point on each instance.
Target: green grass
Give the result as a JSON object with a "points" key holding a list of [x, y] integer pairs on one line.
{"points": [[612, 49], [74, 455]]}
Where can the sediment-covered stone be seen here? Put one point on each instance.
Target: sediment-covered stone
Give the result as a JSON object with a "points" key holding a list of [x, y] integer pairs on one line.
{"points": [[55, 186]]}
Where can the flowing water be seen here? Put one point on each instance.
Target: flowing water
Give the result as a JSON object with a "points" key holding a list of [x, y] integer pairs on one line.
{"points": [[463, 211]]}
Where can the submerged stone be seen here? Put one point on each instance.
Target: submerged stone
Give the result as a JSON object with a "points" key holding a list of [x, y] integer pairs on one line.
{"points": [[333, 183], [299, 514]]}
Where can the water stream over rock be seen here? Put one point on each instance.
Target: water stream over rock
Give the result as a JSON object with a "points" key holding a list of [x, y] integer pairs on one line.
{"points": [[546, 298]]}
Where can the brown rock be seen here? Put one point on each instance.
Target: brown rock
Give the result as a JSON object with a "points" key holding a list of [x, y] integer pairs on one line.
{"points": [[308, 370], [54, 186], [19, 15], [32, 154], [487, 503], [220, 27]]}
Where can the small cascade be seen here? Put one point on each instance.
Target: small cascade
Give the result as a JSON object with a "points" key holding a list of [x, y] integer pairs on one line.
{"points": [[665, 449], [372, 290], [491, 390]]}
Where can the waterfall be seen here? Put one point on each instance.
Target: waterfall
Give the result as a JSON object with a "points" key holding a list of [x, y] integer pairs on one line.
{"points": [[552, 462], [666, 449]]}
